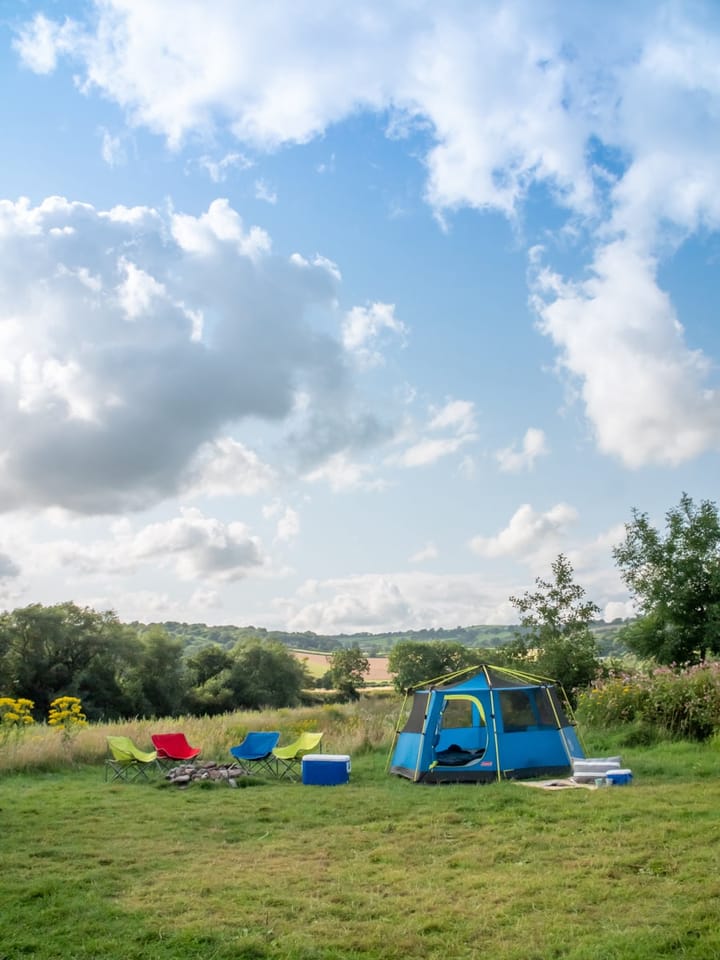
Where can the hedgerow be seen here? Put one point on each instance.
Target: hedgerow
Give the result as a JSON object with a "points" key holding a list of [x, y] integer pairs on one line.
{"points": [[676, 701]]}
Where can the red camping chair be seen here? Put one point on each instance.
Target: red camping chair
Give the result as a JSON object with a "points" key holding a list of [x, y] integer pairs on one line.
{"points": [[173, 748]]}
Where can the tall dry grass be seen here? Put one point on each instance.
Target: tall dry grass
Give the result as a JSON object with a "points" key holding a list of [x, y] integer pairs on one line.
{"points": [[347, 728]]}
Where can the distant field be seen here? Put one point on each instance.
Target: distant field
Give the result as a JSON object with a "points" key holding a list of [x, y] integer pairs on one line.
{"points": [[319, 663]]}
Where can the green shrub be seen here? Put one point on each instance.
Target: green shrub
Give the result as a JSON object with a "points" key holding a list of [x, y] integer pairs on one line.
{"points": [[669, 701]]}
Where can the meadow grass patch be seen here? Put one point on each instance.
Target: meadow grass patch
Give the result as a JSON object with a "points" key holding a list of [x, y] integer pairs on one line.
{"points": [[377, 868]]}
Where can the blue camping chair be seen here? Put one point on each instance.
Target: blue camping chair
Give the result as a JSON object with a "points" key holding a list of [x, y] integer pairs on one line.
{"points": [[256, 751]]}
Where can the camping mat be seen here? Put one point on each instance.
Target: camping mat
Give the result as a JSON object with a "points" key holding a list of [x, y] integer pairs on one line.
{"points": [[555, 784]]}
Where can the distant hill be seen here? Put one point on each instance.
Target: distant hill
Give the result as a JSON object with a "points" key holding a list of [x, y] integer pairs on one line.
{"points": [[194, 636]]}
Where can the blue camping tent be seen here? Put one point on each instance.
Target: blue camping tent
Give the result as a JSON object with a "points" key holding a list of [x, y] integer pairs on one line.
{"points": [[485, 723]]}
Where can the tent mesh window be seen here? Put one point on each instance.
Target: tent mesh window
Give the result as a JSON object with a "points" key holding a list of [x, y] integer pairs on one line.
{"points": [[517, 711], [549, 708], [416, 719], [457, 714]]}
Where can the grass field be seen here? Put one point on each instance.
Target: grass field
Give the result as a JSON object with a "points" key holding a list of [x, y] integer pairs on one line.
{"points": [[377, 868]]}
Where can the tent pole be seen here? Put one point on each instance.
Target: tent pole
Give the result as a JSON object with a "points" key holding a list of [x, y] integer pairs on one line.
{"points": [[396, 732], [493, 717]]}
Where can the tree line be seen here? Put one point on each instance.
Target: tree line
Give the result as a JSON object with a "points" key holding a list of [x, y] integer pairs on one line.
{"points": [[125, 670], [119, 671]]}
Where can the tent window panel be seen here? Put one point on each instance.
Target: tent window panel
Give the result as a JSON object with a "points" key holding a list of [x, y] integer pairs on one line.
{"points": [[560, 709], [416, 720], [545, 709], [457, 714], [517, 711]]}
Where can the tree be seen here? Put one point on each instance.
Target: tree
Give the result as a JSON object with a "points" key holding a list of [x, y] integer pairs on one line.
{"points": [[415, 661], [265, 674], [158, 683], [64, 650], [348, 668], [208, 662], [555, 619], [675, 581]]}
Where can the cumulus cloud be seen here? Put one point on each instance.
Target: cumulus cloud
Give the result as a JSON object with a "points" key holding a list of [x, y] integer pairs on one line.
{"points": [[40, 42], [327, 440], [399, 601], [129, 339], [226, 467], [364, 330], [527, 532], [513, 460], [646, 393], [193, 545], [491, 83], [614, 114], [287, 520]]}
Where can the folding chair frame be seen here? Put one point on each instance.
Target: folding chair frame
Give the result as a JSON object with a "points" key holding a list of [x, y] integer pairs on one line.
{"points": [[253, 744], [126, 762], [290, 768], [128, 770]]}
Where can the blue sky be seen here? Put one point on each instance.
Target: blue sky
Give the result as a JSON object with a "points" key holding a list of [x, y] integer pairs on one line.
{"points": [[351, 318]]}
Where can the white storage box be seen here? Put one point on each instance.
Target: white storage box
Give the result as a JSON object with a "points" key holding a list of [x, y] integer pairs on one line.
{"points": [[591, 768]]}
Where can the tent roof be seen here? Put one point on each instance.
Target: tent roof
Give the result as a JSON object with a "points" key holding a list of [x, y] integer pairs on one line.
{"points": [[487, 676]]}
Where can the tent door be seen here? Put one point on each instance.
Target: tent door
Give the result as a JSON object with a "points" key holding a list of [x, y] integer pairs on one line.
{"points": [[462, 733]]}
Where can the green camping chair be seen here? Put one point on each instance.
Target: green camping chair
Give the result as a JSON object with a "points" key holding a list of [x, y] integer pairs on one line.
{"points": [[126, 762], [288, 759]]}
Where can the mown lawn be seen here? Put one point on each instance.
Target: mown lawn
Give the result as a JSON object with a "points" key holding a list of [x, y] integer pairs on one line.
{"points": [[377, 868]]}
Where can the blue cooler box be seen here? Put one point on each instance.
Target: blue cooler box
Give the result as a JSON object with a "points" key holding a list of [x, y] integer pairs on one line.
{"points": [[619, 778], [325, 769]]}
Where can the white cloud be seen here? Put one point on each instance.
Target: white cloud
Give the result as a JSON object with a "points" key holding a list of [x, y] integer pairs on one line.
{"points": [[218, 170], [225, 467], [645, 391], [221, 225], [492, 84], [456, 418], [138, 290], [113, 149], [263, 191], [428, 552], [364, 328], [125, 347], [41, 41], [619, 610], [430, 450], [527, 533], [512, 460], [193, 545], [455, 414], [399, 601], [343, 474], [317, 261], [510, 96], [287, 520]]}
